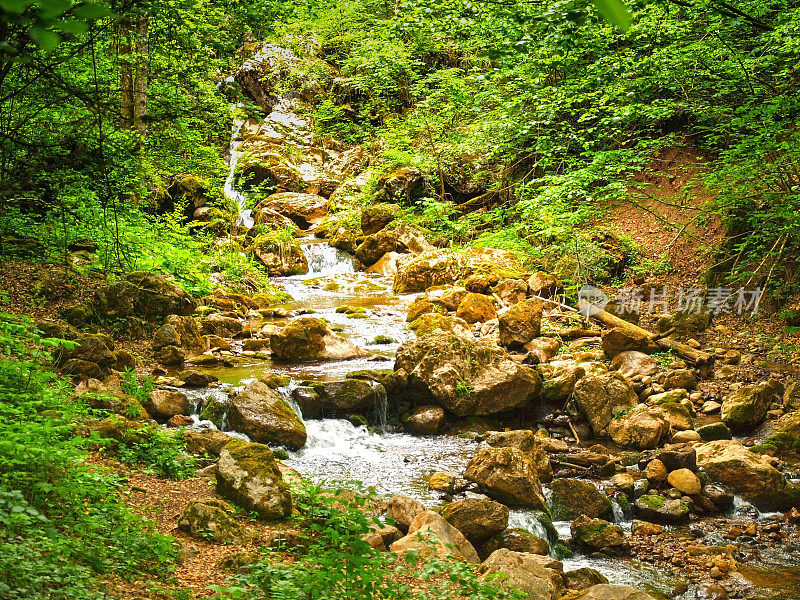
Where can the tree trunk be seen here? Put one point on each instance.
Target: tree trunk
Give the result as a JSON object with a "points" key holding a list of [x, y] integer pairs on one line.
{"points": [[142, 74], [126, 72]]}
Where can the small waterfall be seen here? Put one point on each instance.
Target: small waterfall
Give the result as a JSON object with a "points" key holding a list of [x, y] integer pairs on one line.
{"points": [[324, 259], [381, 409], [616, 509], [245, 215]]}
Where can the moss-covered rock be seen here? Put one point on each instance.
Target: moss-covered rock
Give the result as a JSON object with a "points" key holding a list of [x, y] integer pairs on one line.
{"points": [[266, 417], [642, 428], [597, 534], [211, 520], [658, 509], [310, 339], [521, 323], [476, 308], [601, 398], [142, 294], [376, 217], [571, 498], [476, 518], [507, 475], [746, 407]]}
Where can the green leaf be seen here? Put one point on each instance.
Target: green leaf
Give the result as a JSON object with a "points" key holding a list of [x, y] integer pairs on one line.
{"points": [[92, 10], [615, 12], [15, 6], [46, 40], [49, 9], [72, 26]]}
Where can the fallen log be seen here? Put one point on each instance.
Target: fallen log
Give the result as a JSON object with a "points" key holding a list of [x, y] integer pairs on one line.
{"points": [[696, 357]]}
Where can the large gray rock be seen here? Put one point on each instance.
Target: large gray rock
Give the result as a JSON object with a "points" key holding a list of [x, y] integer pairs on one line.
{"points": [[465, 376], [266, 417], [507, 475], [525, 572], [248, 475], [601, 397]]}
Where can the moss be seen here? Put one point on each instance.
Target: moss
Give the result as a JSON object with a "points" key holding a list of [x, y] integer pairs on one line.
{"points": [[280, 453], [655, 502], [383, 339], [561, 551], [215, 412]]}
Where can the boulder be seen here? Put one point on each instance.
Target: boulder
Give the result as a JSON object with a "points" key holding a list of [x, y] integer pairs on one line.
{"points": [[206, 442], [182, 332], [612, 592], [442, 481], [543, 284], [211, 520], [266, 417], [571, 498], [601, 397], [714, 431], [397, 237], [216, 324], [541, 350], [518, 540], [423, 306], [386, 265], [404, 185], [376, 217], [465, 376], [280, 258], [745, 473], [309, 339], [521, 323], [559, 383], [619, 339], [511, 291], [142, 294], [351, 396], [476, 518], [658, 509], [402, 510], [248, 475], [597, 534], [430, 322], [530, 444], [303, 209], [428, 533], [476, 308], [747, 407], [164, 404], [685, 481], [641, 428], [93, 357], [684, 322], [425, 420], [524, 572], [583, 578], [791, 398], [634, 364], [507, 475]]}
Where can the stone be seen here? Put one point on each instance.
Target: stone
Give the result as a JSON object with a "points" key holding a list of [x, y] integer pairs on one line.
{"points": [[659, 509], [746, 407], [206, 442], [442, 481], [530, 444], [170, 356], [402, 510], [196, 379], [248, 475], [142, 294], [425, 420], [542, 349], [376, 217], [476, 308], [686, 436], [351, 396], [612, 592], [521, 323], [543, 284], [571, 498], [674, 456], [624, 482], [645, 528], [524, 571], [280, 258], [679, 379], [745, 473], [597, 534], [714, 431], [465, 376], [423, 306], [507, 475], [476, 518], [710, 407], [517, 540], [619, 339], [386, 265], [684, 322], [216, 324], [211, 520], [583, 578], [182, 332], [642, 428], [163, 404], [309, 339], [791, 398], [431, 322], [266, 417], [511, 291], [656, 472], [397, 237], [438, 537], [601, 397], [559, 383], [685, 482], [404, 185], [304, 210], [634, 364]]}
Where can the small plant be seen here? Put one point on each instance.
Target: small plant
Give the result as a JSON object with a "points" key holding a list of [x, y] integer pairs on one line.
{"points": [[132, 385]]}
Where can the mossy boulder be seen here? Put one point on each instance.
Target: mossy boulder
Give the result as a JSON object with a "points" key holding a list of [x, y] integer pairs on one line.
{"points": [[163, 404], [507, 475], [516, 540], [182, 332], [309, 339], [465, 376], [641, 428], [658, 509], [248, 475], [142, 294], [304, 210], [597, 534], [747, 407], [571, 498], [602, 397], [425, 420], [476, 308], [404, 185], [396, 237], [530, 444], [266, 417], [521, 323], [536, 576], [281, 257], [430, 322], [212, 520], [476, 518], [376, 217], [714, 431], [583, 578]]}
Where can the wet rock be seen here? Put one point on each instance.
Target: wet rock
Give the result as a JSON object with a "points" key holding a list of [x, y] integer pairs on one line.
{"points": [[211, 520], [220, 325], [618, 340], [465, 376], [746, 407], [791, 398], [516, 540], [520, 324], [645, 528], [441, 267], [686, 436], [659, 509], [376, 217], [675, 456], [429, 323], [351, 396], [601, 397], [304, 210], [559, 383], [163, 404], [425, 420], [247, 475], [583, 578], [142, 294], [641, 428], [396, 237], [442, 481], [386, 265], [721, 498], [571, 498], [711, 591], [180, 421], [438, 537], [624, 482], [685, 481], [656, 472], [402, 510], [507, 475], [196, 379], [476, 518], [747, 474], [524, 572], [597, 534], [309, 339], [679, 379], [266, 417], [710, 407], [280, 258], [530, 444], [476, 308], [423, 306], [634, 364], [612, 592]]}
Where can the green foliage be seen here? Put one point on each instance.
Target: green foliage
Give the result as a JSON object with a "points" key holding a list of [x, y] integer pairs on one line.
{"points": [[138, 388], [62, 525]]}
